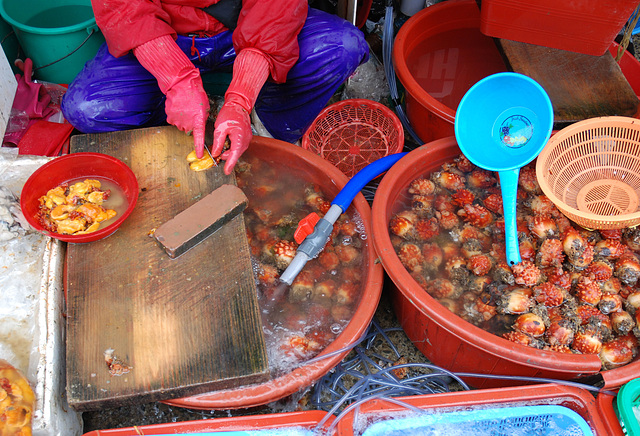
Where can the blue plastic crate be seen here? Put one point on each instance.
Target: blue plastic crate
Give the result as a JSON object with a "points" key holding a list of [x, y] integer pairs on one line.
{"points": [[525, 420]]}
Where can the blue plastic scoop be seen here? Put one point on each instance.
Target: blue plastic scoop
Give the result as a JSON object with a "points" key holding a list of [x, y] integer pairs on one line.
{"points": [[502, 123]]}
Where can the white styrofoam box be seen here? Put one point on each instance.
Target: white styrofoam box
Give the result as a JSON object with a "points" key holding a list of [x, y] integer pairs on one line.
{"points": [[8, 87], [32, 327]]}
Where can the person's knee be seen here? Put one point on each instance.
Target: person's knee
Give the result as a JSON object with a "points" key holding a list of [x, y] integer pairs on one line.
{"points": [[333, 39], [354, 45], [78, 110]]}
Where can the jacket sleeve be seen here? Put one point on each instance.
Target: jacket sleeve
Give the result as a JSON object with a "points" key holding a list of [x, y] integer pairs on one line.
{"points": [[272, 27], [126, 24]]}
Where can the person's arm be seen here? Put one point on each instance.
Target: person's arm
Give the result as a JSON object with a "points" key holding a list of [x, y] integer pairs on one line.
{"points": [[187, 104], [126, 24], [266, 40], [250, 72], [143, 26]]}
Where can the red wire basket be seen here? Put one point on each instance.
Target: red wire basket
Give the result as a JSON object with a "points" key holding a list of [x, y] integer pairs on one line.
{"points": [[353, 133]]}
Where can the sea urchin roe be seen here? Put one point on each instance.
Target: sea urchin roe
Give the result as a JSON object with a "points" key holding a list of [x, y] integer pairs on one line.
{"points": [[74, 209], [574, 291], [17, 401]]}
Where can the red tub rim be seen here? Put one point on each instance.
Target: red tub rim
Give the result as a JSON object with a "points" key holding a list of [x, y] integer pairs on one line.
{"points": [[409, 35], [467, 332], [304, 376], [307, 419]]}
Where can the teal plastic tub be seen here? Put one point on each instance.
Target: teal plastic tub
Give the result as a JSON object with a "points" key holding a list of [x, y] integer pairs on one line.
{"points": [[627, 407], [59, 36]]}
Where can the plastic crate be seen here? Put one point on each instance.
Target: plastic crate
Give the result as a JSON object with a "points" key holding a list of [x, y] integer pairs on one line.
{"points": [[585, 26], [604, 402], [539, 420], [579, 402]]}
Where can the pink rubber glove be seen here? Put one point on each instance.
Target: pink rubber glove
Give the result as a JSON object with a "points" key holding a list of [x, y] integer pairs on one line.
{"points": [[250, 72], [187, 104]]}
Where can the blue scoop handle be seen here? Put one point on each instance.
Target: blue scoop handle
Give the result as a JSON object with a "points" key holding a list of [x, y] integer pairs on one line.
{"points": [[509, 188]]}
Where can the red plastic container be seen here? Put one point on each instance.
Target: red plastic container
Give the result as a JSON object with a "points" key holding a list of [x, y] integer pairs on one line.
{"points": [[578, 400], [443, 337], [331, 181], [74, 167], [585, 26], [611, 422], [308, 419], [438, 54], [630, 67]]}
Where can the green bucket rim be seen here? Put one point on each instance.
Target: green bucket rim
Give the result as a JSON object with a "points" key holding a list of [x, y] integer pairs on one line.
{"points": [[85, 25]]}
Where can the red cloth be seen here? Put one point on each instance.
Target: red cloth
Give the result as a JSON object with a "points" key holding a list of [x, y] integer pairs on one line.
{"points": [[45, 138], [269, 26]]}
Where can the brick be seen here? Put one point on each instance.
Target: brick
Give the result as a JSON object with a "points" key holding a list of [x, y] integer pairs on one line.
{"points": [[201, 220]]}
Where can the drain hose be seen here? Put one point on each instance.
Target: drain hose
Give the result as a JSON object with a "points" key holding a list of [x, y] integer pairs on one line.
{"points": [[315, 242], [390, 73]]}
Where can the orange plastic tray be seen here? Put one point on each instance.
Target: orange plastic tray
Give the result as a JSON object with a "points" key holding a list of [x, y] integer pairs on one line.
{"points": [[307, 419]]}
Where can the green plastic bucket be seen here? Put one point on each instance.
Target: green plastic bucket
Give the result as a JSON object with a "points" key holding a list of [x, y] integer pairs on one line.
{"points": [[59, 36], [10, 44]]}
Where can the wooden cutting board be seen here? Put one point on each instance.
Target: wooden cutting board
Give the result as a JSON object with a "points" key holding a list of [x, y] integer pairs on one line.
{"points": [[184, 326], [580, 86]]}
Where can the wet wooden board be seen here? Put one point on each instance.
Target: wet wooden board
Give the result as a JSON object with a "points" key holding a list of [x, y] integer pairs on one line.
{"points": [[580, 86], [186, 325]]}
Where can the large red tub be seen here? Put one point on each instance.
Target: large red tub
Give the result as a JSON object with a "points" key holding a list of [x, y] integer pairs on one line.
{"points": [[445, 338], [331, 180]]}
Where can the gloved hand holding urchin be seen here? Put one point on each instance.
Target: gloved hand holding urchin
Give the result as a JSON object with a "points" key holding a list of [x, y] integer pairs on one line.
{"points": [[250, 72]]}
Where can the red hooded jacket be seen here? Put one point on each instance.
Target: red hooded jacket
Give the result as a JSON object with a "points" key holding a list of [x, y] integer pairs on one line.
{"points": [[271, 26]]}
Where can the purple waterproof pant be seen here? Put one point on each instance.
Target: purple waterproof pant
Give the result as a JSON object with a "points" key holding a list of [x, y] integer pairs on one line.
{"points": [[118, 93]]}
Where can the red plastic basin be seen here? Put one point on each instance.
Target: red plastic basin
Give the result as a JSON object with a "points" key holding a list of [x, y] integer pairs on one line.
{"points": [[443, 337], [440, 52], [331, 181]]}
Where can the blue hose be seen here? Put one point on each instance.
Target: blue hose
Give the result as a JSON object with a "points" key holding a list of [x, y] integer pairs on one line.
{"points": [[390, 73], [314, 243], [362, 177]]}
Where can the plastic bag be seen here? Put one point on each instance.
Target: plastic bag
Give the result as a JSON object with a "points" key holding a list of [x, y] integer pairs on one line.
{"points": [[31, 98], [368, 81], [12, 222]]}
